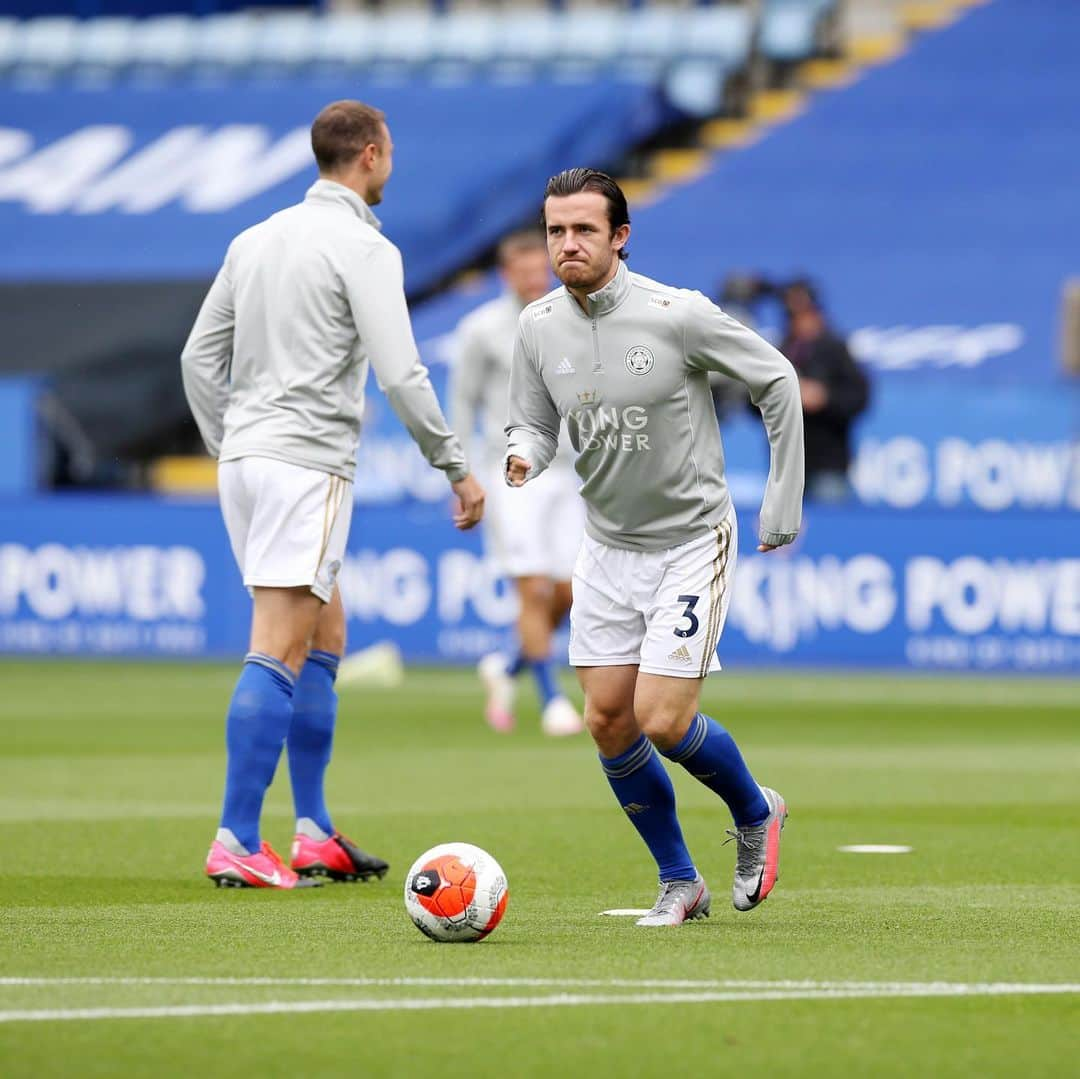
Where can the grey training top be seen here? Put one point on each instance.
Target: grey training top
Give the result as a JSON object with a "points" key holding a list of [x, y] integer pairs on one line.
{"points": [[631, 381], [277, 360], [480, 380]]}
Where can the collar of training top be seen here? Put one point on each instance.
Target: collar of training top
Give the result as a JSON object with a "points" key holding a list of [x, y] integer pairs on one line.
{"points": [[611, 295], [331, 191]]}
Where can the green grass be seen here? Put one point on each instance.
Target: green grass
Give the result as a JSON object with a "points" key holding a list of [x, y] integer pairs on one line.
{"points": [[110, 777]]}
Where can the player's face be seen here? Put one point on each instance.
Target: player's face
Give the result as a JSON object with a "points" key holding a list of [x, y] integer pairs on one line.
{"points": [[581, 245], [527, 274], [381, 164]]}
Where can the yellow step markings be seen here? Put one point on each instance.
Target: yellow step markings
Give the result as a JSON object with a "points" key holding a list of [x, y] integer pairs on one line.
{"points": [[875, 48], [673, 166], [184, 475], [724, 133], [638, 192], [929, 14], [776, 106], [827, 74]]}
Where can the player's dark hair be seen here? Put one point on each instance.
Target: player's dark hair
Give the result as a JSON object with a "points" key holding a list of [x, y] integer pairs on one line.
{"points": [[574, 181], [342, 130], [516, 242]]}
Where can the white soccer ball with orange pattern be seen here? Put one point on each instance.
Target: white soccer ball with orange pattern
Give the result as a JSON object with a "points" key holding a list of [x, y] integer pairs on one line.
{"points": [[456, 892]]}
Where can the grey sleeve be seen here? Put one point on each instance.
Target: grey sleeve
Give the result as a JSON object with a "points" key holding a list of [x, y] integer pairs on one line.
{"points": [[376, 293], [466, 389], [532, 426], [205, 361], [716, 342]]}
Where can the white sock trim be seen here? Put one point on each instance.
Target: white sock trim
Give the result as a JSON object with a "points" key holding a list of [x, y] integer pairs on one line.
{"points": [[307, 827]]}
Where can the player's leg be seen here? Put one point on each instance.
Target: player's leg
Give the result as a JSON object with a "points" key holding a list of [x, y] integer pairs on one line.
{"points": [[535, 631], [257, 723], [319, 849], [311, 733], [277, 516], [497, 671], [679, 649], [564, 516]]}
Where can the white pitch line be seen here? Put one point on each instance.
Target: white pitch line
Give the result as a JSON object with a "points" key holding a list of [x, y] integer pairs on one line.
{"points": [[558, 1000], [781, 985]]}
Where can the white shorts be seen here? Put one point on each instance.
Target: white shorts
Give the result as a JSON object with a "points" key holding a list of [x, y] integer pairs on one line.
{"points": [[661, 610], [287, 525], [535, 530]]}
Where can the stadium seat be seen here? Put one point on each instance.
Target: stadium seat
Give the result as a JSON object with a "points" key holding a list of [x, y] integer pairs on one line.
{"points": [[286, 40], [405, 38], [226, 41], [723, 34], [527, 37], [346, 39], [590, 35], [789, 28], [9, 33], [468, 37], [650, 38], [47, 44], [105, 44], [164, 44]]}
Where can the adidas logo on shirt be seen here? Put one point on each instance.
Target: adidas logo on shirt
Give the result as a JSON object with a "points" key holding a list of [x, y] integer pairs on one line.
{"points": [[682, 654], [565, 367]]}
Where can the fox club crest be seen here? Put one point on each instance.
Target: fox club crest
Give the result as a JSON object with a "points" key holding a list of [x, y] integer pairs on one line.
{"points": [[639, 360]]}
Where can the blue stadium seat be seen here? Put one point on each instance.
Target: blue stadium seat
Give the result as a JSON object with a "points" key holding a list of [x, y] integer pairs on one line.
{"points": [[591, 35], [47, 44], [529, 37], [405, 38], [344, 39], [164, 44], [650, 37], [467, 37], [106, 44], [226, 42], [789, 28], [286, 40], [723, 34]]}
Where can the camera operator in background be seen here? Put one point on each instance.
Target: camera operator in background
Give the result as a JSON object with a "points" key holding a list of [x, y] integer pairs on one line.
{"points": [[833, 387]]}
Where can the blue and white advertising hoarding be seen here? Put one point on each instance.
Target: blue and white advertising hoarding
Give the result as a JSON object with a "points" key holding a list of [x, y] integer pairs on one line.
{"points": [[960, 591]]}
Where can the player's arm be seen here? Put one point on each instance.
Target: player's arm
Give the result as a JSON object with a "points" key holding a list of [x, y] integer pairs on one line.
{"points": [[376, 293], [205, 361], [532, 426], [716, 342]]}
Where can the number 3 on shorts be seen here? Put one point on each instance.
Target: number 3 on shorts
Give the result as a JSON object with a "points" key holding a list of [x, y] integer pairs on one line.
{"points": [[688, 614]]}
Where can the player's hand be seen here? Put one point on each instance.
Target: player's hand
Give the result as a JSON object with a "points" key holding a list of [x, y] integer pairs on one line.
{"points": [[765, 547], [470, 502], [517, 469], [815, 395]]}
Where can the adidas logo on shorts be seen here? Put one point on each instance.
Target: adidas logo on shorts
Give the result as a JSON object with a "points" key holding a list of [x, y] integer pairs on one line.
{"points": [[565, 367], [682, 654]]}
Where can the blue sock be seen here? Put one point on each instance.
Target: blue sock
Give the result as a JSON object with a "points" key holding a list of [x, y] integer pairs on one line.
{"points": [[543, 670], [517, 665], [311, 736], [644, 790], [711, 756], [258, 720]]}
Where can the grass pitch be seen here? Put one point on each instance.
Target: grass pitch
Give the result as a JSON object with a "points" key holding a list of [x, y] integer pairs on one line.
{"points": [[110, 777]]}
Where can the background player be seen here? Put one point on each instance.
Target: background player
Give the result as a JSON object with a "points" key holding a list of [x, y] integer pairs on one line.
{"points": [[274, 371], [653, 579], [534, 534]]}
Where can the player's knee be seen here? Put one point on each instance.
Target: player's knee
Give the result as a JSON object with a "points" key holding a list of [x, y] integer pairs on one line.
{"points": [[609, 724], [664, 726]]}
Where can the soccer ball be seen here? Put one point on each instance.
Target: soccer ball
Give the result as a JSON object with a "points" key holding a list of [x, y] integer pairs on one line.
{"points": [[456, 892]]}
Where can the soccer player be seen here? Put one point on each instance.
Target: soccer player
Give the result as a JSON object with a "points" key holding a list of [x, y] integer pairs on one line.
{"points": [[274, 371], [625, 362], [533, 534]]}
